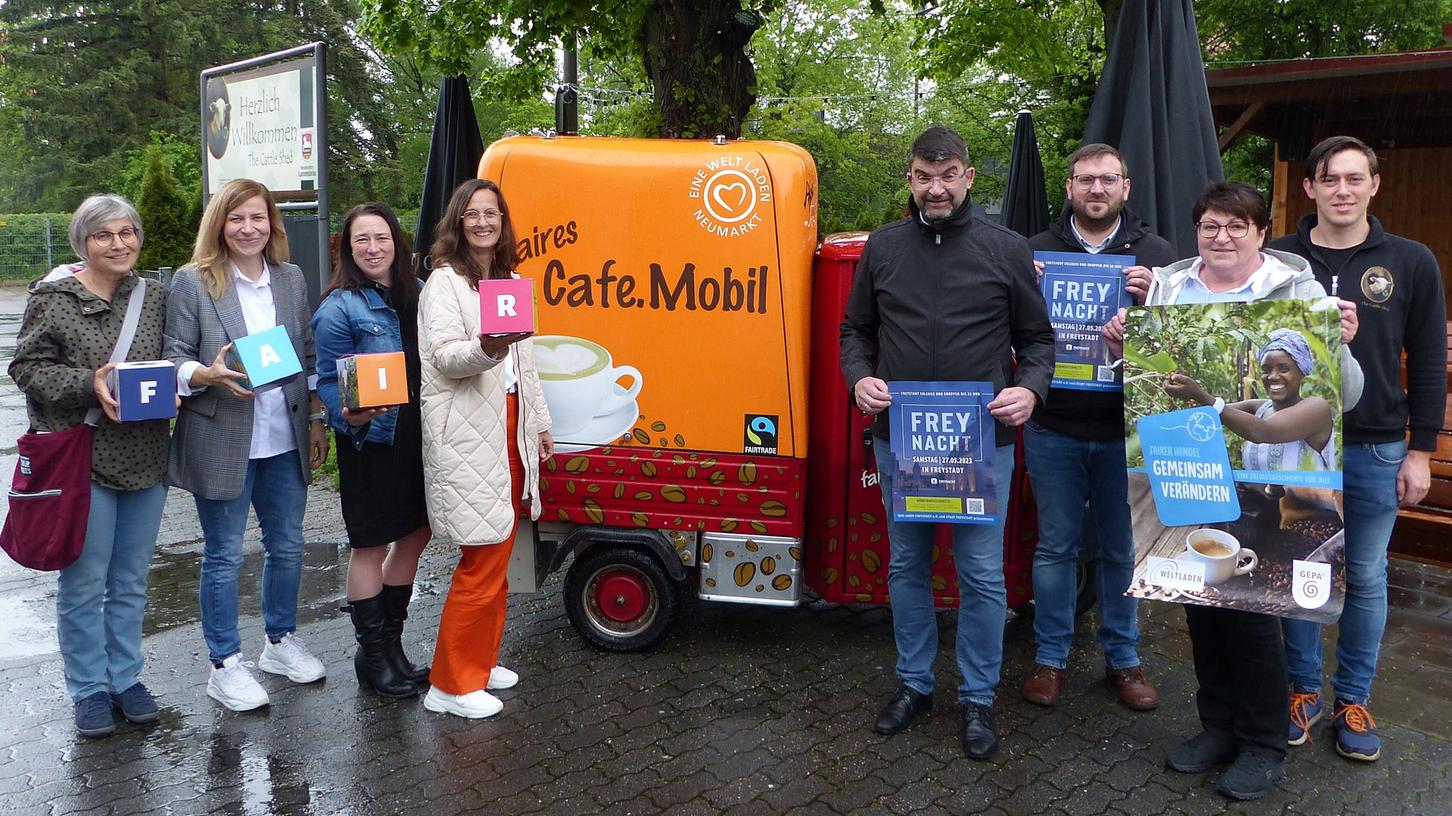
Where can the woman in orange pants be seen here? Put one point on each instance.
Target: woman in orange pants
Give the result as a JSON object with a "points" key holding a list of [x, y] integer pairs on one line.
{"points": [[485, 431]]}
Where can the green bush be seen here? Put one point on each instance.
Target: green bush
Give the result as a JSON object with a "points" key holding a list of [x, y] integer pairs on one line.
{"points": [[165, 215]]}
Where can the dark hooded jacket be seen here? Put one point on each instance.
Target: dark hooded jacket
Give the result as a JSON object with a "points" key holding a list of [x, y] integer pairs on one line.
{"points": [[1096, 415], [951, 301], [1398, 307]]}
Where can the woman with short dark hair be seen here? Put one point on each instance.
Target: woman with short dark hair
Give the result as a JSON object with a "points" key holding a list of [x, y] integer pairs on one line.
{"points": [[62, 359], [370, 307]]}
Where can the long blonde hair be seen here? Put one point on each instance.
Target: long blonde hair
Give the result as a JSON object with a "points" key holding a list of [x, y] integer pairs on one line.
{"points": [[209, 253]]}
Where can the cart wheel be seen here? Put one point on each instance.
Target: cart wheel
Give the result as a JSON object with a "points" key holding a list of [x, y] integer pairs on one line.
{"points": [[620, 598], [1088, 576]]}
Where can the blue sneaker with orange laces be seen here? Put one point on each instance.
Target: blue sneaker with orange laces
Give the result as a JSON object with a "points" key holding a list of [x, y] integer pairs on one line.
{"points": [[1356, 736], [1306, 711]]}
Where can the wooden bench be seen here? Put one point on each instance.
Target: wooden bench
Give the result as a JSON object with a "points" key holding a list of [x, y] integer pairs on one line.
{"points": [[1424, 532]]}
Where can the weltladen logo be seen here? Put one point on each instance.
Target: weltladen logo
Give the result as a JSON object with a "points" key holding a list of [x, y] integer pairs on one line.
{"points": [[730, 195]]}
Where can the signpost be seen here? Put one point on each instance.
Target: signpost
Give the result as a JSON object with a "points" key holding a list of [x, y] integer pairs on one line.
{"points": [[266, 119]]}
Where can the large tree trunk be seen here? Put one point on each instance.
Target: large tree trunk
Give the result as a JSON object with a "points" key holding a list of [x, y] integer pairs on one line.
{"points": [[695, 56]]}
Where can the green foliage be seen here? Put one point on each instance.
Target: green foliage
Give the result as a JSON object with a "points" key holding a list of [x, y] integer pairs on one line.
{"points": [[23, 241], [1239, 30], [1216, 344], [165, 215]]}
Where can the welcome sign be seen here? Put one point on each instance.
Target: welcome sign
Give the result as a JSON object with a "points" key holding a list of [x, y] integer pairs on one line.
{"points": [[260, 123]]}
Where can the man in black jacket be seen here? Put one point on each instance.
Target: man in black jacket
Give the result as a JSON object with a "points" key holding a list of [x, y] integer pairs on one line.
{"points": [[947, 295], [1074, 449], [1397, 287]]}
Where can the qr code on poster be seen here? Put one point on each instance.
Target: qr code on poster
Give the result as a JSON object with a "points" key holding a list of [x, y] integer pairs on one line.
{"points": [[975, 506], [1104, 373]]}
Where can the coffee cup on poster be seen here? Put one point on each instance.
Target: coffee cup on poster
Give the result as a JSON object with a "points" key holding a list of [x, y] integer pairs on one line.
{"points": [[580, 381], [1221, 554]]}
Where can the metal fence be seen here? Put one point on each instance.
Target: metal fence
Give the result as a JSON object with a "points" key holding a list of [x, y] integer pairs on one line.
{"points": [[31, 244]]}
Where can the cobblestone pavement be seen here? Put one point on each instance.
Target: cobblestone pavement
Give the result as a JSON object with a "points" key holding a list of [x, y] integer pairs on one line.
{"points": [[743, 710]]}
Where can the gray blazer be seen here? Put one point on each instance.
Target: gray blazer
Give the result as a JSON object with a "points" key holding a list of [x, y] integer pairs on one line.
{"points": [[213, 436]]}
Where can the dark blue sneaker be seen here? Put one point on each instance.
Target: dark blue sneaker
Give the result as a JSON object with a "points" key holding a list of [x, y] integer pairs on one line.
{"points": [[1306, 710], [136, 704], [93, 716], [1356, 732]]}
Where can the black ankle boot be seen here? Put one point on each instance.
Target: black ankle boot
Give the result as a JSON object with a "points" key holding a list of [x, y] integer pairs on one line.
{"points": [[374, 669], [395, 612]]}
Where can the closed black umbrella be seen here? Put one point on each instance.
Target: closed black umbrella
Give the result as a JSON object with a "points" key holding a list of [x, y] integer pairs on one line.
{"points": [[1152, 104], [454, 153], [1025, 203]]}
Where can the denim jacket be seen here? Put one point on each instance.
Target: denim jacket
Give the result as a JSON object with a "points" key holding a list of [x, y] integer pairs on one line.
{"points": [[354, 322]]}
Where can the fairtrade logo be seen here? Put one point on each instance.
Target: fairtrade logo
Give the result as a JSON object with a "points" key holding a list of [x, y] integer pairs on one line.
{"points": [[1377, 284], [760, 434]]}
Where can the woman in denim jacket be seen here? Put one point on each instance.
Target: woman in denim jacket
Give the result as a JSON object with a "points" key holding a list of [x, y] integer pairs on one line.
{"points": [[371, 306]]}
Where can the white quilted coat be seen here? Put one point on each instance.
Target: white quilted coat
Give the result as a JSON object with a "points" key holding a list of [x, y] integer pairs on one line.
{"points": [[466, 455]]}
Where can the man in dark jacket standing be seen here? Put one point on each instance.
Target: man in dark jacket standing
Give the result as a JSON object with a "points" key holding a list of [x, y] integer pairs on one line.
{"points": [[1074, 448], [947, 295], [1397, 288]]}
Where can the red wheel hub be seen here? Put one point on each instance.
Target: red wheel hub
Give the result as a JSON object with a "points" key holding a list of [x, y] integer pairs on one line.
{"points": [[622, 596]]}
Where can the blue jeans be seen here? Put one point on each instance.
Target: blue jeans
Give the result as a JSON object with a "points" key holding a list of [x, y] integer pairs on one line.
{"points": [[1066, 472], [275, 489], [100, 599], [978, 556], [1369, 478]]}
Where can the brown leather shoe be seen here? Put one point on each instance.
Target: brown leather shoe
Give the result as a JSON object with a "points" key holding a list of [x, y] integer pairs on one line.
{"points": [[1045, 684], [1134, 689]]}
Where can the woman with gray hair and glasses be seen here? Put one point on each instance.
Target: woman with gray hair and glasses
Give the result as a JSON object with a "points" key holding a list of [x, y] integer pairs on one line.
{"points": [[62, 359]]}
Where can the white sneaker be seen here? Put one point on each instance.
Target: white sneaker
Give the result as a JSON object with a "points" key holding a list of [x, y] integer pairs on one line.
{"points": [[501, 678], [475, 705], [233, 685], [291, 658]]}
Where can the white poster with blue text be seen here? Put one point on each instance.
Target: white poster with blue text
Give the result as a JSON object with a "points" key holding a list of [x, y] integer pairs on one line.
{"points": [[942, 447], [1233, 448]]}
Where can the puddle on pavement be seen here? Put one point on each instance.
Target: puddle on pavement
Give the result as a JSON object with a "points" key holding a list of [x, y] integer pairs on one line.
{"points": [[27, 613]]}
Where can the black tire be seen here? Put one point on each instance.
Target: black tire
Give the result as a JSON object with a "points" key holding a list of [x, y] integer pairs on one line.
{"points": [[1088, 573], [645, 599]]}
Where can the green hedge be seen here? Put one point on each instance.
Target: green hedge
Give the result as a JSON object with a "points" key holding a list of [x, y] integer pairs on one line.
{"points": [[23, 244]]}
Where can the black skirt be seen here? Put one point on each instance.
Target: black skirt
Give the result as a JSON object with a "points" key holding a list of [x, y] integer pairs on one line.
{"points": [[382, 486]]}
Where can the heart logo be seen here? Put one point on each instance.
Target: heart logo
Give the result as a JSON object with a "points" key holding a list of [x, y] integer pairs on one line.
{"points": [[722, 193]]}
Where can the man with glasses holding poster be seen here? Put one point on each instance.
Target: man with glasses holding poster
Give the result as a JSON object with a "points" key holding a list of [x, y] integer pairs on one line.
{"points": [[1074, 448], [946, 295]]}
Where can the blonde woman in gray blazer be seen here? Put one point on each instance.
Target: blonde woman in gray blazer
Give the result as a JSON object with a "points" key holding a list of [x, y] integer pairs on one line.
{"points": [[234, 447]]}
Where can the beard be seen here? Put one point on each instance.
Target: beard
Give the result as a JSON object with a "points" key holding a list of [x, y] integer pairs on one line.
{"points": [[1111, 214]]}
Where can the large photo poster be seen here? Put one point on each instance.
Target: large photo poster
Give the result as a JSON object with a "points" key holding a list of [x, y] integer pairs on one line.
{"points": [[1233, 445], [942, 444], [260, 124]]}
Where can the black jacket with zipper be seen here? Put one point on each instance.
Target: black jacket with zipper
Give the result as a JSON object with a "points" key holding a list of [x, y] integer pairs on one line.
{"points": [[1096, 415], [1411, 317], [950, 301]]}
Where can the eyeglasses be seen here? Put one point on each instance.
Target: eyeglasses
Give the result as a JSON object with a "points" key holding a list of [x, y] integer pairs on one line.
{"points": [[1108, 180], [948, 177], [108, 238], [1209, 229], [472, 217]]}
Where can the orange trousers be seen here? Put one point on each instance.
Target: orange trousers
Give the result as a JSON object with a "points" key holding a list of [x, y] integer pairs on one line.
{"points": [[472, 624]]}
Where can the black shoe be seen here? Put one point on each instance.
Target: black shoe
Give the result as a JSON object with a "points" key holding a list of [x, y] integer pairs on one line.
{"points": [[1251, 776], [980, 741], [371, 663], [395, 612], [901, 710], [1201, 752]]}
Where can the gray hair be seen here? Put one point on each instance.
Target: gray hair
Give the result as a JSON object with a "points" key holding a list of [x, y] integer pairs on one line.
{"points": [[93, 213]]}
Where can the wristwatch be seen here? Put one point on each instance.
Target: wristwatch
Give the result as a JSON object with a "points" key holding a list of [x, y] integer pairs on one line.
{"points": [[320, 416]]}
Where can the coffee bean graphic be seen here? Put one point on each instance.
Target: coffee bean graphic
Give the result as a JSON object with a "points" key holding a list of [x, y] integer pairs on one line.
{"points": [[680, 441], [550, 465], [829, 574], [773, 508], [706, 552], [758, 527], [709, 462], [577, 464], [648, 469], [940, 584], [869, 518], [760, 588], [619, 489], [644, 495], [657, 426], [831, 545], [592, 509], [831, 522], [691, 472], [795, 553], [673, 493], [728, 524], [747, 473], [641, 436], [752, 546], [716, 477], [640, 519], [768, 565], [781, 582], [710, 582], [871, 561], [592, 488], [743, 573], [570, 486], [563, 514], [853, 581]]}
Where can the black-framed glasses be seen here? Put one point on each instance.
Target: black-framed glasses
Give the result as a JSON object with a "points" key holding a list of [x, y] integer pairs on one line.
{"points": [[471, 217], [1209, 229], [108, 238], [1108, 180]]}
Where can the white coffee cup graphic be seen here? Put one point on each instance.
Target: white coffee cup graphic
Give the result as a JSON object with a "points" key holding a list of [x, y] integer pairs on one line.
{"points": [[1221, 554], [580, 382]]}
